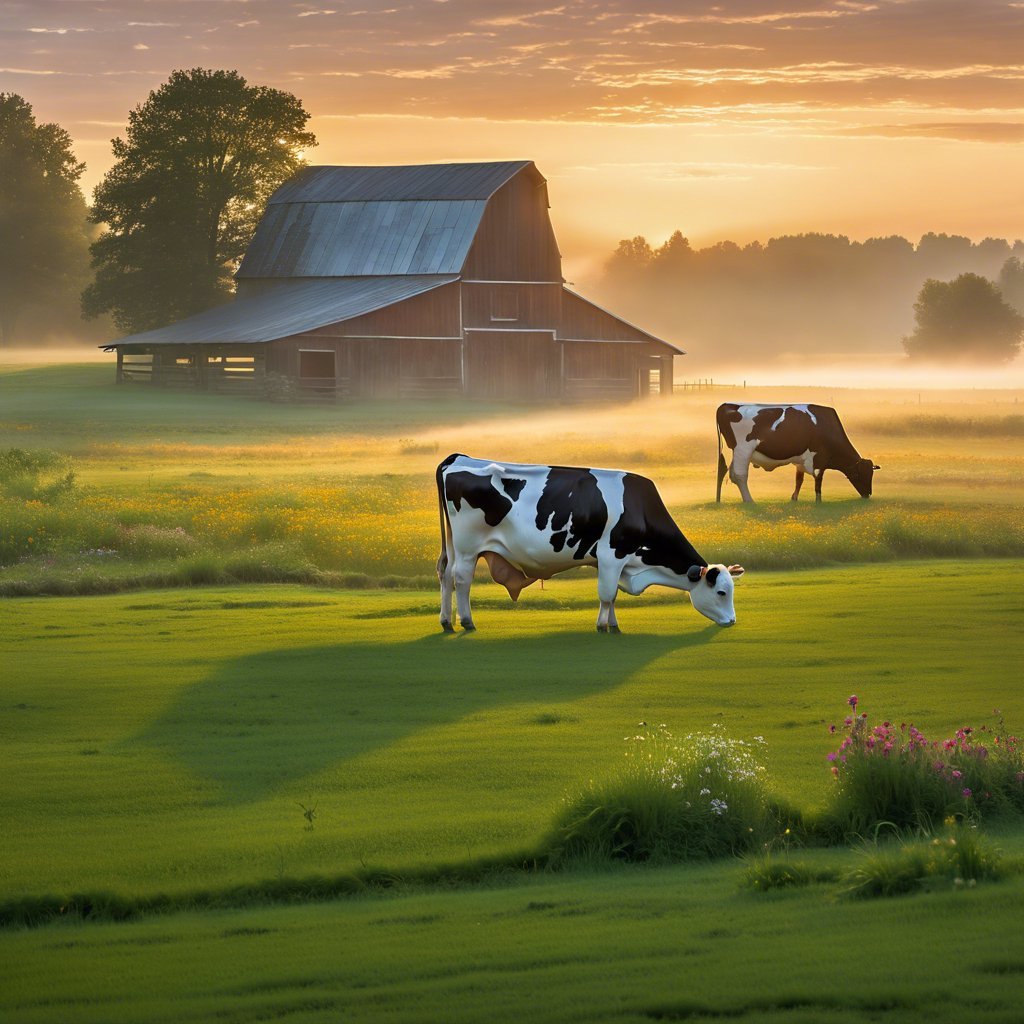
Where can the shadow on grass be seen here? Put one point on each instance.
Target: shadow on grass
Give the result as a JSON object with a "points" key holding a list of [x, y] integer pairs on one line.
{"points": [[277, 716]]}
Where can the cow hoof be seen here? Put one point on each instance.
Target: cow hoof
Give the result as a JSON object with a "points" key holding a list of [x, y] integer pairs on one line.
{"points": [[447, 627], [468, 627], [614, 629], [602, 629]]}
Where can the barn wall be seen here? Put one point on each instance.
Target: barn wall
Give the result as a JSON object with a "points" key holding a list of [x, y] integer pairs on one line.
{"points": [[515, 240], [603, 371], [374, 367], [434, 314], [584, 321], [511, 305], [513, 365]]}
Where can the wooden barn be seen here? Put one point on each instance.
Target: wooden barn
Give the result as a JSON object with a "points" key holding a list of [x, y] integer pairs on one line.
{"points": [[405, 282]]}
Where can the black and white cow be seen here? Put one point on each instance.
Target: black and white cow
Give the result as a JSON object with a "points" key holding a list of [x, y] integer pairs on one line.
{"points": [[531, 522], [810, 437]]}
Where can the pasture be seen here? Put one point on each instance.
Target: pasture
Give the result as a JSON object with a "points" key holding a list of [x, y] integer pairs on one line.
{"points": [[169, 741]]}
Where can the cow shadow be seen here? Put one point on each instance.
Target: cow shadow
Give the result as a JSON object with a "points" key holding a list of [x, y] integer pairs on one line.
{"points": [[274, 717]]}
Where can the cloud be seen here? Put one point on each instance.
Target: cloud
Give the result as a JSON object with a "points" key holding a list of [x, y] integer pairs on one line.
{"points": [[959, 131]]}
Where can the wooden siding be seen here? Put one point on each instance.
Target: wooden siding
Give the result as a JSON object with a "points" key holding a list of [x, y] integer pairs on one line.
{"points": [[513, 365], [515, 241], [583, 321], [434, 314], [534, 305], [596, 371], [376, 368]]}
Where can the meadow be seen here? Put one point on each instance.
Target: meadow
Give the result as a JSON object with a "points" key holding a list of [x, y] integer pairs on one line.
{"points": [[168, 743]]}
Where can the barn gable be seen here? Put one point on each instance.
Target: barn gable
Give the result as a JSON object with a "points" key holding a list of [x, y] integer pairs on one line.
{"points": [[401, 282]]}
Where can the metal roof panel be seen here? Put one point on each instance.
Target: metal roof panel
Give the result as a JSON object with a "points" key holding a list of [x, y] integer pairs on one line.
{"points": [[288, 308]]}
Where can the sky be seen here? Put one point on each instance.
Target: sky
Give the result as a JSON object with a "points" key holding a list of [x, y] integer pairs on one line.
{"points": [[737, 120]]}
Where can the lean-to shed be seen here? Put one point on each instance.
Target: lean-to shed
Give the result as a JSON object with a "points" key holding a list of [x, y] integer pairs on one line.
{"points": [[404, 282]]}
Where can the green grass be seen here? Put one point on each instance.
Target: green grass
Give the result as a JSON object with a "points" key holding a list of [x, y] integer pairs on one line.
{"points": [[174, 488], [184, 729], [161, 747], [629, 945]]}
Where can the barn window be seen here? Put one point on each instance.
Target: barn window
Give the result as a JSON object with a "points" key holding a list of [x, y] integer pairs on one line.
{"points": [[504, 304], [316, 363]]}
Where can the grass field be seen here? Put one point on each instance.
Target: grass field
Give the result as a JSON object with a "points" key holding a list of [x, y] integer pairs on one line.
{"points": [[175, 488], [169, 740]]}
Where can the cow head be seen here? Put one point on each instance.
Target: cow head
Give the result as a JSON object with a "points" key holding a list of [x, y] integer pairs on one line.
{"points": [[860, 475], [711, 593]]}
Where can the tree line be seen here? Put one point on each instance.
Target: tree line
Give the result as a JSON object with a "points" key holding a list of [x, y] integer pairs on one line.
{"points": [[944, 297], [170, 220], [201, 155]]}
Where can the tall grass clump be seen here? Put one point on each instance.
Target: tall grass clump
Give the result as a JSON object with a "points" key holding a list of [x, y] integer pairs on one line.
{"points": [[36, 475], [671, 799], [893, 774], [959, 857]]}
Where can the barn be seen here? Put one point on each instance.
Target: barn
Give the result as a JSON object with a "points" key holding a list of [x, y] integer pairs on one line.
{"points": [[400, 283]]}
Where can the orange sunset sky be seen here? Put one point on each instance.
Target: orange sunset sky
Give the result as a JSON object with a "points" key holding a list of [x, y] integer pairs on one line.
{"points": [[726, 120]]}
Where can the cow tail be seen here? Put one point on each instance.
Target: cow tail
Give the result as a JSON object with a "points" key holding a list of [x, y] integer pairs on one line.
{"points": [[446, 526]]}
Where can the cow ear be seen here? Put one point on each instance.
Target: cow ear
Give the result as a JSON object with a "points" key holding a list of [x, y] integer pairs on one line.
{"points": [[736, 571], [694, 573]]}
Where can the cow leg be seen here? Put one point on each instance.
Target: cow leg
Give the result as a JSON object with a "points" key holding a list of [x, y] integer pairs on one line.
{"points": [[613, 622], [739, 469], [799, 483], [463, 579], [607, 591], [445, 576], [819, 475]]}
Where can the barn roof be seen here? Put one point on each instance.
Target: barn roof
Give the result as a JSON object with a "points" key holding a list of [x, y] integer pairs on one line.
{"points": [[411, 182], [287, 308], [368, 221]]}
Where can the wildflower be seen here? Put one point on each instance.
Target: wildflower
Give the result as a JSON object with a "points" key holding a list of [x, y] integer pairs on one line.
{"points": [[831, 756], [967, 793], [956, 773], [719, 807], [832, 728], [852, 701]]}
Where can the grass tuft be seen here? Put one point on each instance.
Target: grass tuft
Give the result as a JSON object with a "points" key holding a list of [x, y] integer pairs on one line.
{"points": [[693, 798]]}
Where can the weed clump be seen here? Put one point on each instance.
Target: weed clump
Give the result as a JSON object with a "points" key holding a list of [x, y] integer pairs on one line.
{"points": [[672, 799], [959, 858]]}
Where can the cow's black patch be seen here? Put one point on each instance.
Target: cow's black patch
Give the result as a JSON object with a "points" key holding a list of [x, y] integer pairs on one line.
{"points": [[572, 494], [726, 415], [794, 435], [513, 487], [478, 492], [647, 530], [712, 576]]}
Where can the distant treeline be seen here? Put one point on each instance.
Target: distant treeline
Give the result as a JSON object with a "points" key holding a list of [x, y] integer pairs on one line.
{"points": [[810, 293]]}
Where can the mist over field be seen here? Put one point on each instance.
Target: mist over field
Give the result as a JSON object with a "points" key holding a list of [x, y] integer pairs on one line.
{"points": [[794, 297]]}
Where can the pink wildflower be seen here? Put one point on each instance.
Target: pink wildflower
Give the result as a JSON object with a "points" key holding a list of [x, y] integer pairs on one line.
{"points": [[852, 701], [847, 720], [967, 793]]}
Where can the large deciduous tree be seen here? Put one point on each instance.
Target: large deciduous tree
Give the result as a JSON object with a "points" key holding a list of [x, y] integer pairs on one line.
{"points": [[44, 259], [964, 320], [196, 166]]}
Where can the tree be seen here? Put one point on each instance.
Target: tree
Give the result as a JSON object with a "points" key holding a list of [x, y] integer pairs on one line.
{"points": [[964, 319], [44, 258], [198, 162], [1011, 283]]}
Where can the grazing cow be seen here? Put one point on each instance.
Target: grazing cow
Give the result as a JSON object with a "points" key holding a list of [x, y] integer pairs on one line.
{"points": [[531, 522], [810, 437]]}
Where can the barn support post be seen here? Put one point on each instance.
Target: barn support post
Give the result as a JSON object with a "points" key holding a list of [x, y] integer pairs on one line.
{"points": [[119, 375], [665, 380]]}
